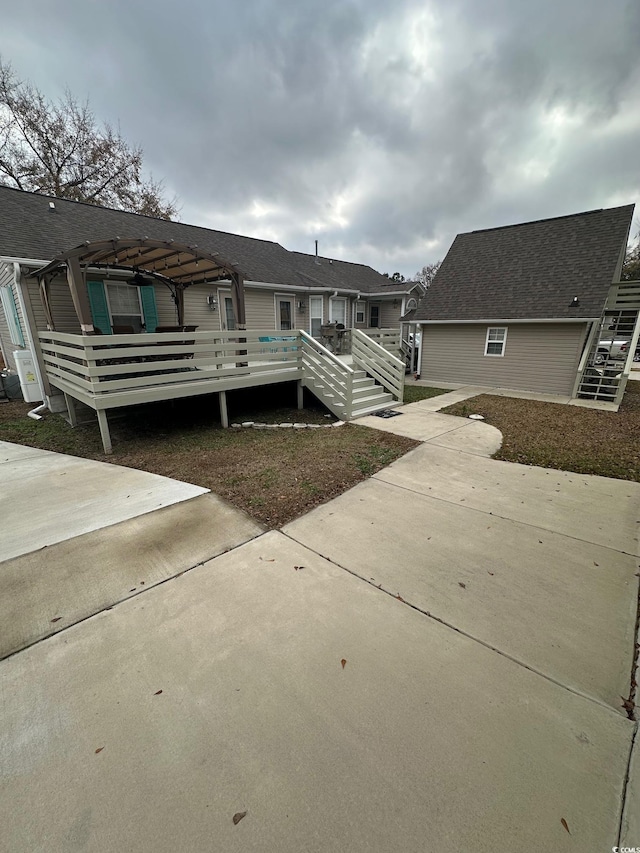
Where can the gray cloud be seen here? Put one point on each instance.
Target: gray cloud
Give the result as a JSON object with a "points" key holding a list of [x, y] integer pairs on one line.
{"points": [[381, 128]]}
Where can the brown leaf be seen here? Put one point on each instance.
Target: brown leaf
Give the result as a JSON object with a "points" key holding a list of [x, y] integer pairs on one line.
{"points": [[399, 597], [239, 815], [57, 619], [463, 585], [297, 568], [343, 662], [157, 693], [564, 823], [99, 749]]}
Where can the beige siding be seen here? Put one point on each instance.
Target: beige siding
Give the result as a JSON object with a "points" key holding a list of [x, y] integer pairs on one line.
{"points": [[390, 314], [539, 357]]}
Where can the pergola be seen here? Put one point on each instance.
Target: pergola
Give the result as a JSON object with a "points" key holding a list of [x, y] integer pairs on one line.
{"points": [[175, 265]]}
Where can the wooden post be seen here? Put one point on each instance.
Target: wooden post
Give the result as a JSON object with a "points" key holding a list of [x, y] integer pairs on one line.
{"points": [[78, 288], [71, 408], [224, 414], [300, 389], [104, 431]]}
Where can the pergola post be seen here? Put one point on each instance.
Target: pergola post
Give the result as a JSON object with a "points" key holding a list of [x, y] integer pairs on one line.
{"points": [[78, 288]]}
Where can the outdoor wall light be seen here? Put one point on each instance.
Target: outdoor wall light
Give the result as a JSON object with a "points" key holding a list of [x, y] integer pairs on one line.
{"points": [[300, 306], [212, 302], [575, 301]]}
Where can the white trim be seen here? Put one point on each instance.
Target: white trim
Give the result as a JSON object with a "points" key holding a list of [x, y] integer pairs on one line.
{"points": [[222, 308], [505, 321], [299, 288], [333, 299], [286, 297], [490, 329], [311, 317]]}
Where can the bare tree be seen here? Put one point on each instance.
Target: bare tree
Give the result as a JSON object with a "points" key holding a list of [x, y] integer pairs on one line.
{"points": [[426, 275], [631, 266], [58, 148]]}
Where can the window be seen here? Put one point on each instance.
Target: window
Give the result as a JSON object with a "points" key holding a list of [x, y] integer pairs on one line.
{"points": [[315, 315], [284, 313], [338, 310], [11, 316], [228, 318], [360, 306], [496, 340], [124, 306]]}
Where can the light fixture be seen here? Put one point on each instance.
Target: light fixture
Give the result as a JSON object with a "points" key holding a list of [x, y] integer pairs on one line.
{"points": [[300, 306], [575, 301], [212, 302]]}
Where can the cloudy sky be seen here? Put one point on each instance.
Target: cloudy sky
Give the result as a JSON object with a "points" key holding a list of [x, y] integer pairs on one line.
{"points": [[379, 127]]}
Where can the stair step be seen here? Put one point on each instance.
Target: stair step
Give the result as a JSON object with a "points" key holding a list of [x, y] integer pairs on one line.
{"points": [[370, 410]]}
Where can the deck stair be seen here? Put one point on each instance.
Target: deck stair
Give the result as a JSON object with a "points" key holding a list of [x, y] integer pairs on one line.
{"points": [[611, 347]]}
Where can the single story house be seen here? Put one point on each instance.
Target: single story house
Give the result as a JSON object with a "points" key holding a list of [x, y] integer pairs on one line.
{"points": [[113, 309], [282, 290], [537, 306]]}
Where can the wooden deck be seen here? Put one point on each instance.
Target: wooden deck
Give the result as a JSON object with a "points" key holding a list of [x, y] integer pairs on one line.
{"points": [[110, 371]]}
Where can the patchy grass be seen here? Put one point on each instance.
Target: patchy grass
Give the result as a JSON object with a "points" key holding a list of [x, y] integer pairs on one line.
{"points": [[570, 438], [415, 393], [274, 475]]}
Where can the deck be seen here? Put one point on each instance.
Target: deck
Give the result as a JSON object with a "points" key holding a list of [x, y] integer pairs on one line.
{"points": [[107, 372]]}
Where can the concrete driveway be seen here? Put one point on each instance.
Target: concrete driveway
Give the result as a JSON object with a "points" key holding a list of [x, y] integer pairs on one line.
{"points": [[432, 661]]}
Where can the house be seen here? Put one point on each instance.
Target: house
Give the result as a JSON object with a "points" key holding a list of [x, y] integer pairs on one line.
{"points": [[91, 292], [533, 307], [283, 290]]}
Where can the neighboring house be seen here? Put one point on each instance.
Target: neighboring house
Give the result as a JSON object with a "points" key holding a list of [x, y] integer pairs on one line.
{"points": [[527, 307], [283, 290]]}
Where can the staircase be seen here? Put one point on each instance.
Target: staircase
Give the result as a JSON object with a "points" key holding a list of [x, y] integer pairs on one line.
{"points": [[606, 361], [372, 383], [367, 396]]}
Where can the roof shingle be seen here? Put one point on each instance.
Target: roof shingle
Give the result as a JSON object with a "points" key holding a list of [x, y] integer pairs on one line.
{"points": [[530, 271]]}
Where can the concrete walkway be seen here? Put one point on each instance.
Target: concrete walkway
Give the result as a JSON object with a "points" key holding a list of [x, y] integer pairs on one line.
{"points": [[432, 661]]}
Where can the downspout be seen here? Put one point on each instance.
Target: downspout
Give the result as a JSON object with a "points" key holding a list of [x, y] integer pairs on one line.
{"points": [[30, 325]]}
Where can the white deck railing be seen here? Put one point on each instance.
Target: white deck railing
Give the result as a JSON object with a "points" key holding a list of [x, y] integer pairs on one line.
{"points": [[106, 371], [378, 362], [330, 379]]}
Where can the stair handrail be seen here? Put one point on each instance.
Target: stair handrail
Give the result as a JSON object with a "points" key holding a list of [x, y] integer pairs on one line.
{"points": [[395, 366], [345, 392], [326, 352]]}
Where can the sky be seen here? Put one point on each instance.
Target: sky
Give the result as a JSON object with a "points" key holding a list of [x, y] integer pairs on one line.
{"points": [[380, 128]]}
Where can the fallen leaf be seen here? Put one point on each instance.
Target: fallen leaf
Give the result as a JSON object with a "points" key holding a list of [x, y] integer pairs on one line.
{"points": [[99, 749], [239, 815], [297, 568], [564, 823], [399, 597], [463, 585], [343, 662], [157, 693], [627, 704], [57, 619]]}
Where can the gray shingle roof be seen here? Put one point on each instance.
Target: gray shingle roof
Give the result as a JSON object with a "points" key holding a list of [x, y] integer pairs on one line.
{"points": [[532, 270], [332, 273], [30, 230]]}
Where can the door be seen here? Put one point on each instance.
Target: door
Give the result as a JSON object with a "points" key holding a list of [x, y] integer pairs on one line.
{"points": [[284, 313], [315, 315], [229, 318], [374, 317]]}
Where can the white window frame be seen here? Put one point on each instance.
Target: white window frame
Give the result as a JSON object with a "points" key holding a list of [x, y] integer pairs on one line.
{"points": [[286, 297], [503, 341], [333, 301], [360, 307], [109, 284], [312, 297]]}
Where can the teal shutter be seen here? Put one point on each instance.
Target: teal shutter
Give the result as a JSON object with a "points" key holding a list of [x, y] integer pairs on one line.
{"points": [[149, 308], [99, 306]]}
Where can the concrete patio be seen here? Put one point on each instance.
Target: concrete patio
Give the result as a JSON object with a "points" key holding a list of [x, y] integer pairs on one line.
{"points": [[434, 660]]}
